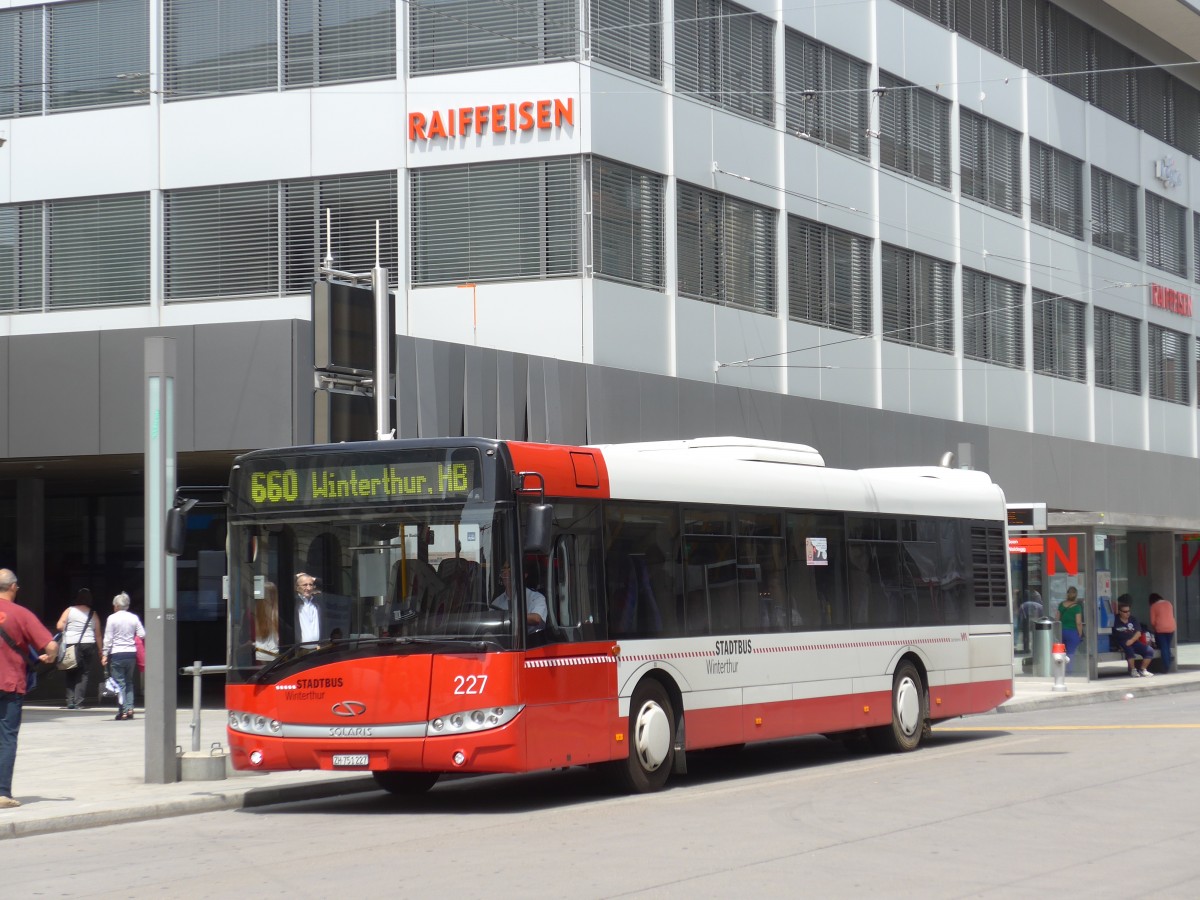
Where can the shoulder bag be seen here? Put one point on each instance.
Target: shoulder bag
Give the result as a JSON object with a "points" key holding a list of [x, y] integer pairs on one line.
{"points": [[68, 659]]}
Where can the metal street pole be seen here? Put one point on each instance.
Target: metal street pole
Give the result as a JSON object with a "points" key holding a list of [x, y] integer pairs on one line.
{"points": [[159, 475], [383, 349]]}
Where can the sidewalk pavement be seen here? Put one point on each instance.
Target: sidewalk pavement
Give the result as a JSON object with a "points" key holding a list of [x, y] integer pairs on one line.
{"points": [[81, 769]]}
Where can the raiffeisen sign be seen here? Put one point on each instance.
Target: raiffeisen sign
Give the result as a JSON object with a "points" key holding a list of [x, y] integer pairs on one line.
{"points": [[494, 118]]}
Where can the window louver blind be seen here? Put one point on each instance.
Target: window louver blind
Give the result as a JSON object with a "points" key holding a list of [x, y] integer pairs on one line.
{"points": [[992, 319], [21, 73], [1154, 102], [496, 221], [989, 566], [98, 251], [1065, 53], [991, 162], [267, 239], [1117, 363], [21, 257], [1185, 118], [219, 46], [1058, 337], [726, 249], [1114, 214], [1166, 235], [836, 113], [1167, 361], [1056, 189], [724, 56], [627, 35], [829, 276], [333, 41], [1113, 87], [221, 241], [456, 35], [627, 224], [917, 300], [1023, 25], [98, 53], [937, 10], [914, 131], [1196, 245]]}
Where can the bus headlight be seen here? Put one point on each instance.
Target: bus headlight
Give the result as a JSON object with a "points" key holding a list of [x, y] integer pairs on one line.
{"points": [[472, 720], [252, 723]]}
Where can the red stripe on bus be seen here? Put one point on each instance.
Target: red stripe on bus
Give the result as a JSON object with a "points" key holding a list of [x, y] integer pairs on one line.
{"points": [[563, 468]]}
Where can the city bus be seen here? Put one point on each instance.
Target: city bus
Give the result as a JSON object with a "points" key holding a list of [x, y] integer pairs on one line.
{"points": [[413, 608]]}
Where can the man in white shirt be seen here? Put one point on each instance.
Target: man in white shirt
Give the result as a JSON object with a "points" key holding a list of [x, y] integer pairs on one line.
{"points": [[308, 609], [535, 603]]}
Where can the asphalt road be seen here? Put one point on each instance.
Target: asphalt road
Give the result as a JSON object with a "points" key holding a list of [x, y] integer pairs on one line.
{"points": [[1095, 801]]}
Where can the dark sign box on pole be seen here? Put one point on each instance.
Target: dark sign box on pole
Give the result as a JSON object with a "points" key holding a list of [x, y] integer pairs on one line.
{"points": [[343, 317]]}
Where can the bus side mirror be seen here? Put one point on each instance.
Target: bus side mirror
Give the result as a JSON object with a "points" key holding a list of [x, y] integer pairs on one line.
{"points": [[539, 523], [175, 534]]}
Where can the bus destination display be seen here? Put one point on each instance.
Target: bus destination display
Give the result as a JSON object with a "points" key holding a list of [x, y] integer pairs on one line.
{"points": [[304, 485]]}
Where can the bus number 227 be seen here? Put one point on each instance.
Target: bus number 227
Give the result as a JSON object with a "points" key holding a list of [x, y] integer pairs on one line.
{"points": [[469, 684]]}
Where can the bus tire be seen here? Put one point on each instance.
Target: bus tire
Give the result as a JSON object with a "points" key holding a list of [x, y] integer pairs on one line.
{"points": [[909, 712], [651, 740], [405, 784]]}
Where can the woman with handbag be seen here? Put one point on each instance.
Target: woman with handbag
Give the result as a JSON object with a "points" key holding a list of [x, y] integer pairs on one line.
{"points": [[79, 647], [120, 651]]}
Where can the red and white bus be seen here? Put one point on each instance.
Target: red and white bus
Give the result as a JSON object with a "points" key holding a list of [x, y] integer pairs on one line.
{"points": [[666, 597]]}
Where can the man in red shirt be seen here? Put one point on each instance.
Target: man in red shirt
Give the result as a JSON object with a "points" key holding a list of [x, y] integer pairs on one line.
{"points": [[22, 631]]}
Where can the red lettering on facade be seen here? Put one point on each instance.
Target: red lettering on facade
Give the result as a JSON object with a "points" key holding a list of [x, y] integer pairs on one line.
{"points": [[497, 117], [1056, 553], [1143, 568], [1171, 300], [1189, 565]]}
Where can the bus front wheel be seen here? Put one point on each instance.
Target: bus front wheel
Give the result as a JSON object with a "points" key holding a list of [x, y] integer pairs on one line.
{"points": [[405, 784], [651, 740], [909, 712]]}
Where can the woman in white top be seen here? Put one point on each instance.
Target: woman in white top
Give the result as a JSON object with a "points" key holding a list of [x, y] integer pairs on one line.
{"points": [[120, 651], [80, 627]]}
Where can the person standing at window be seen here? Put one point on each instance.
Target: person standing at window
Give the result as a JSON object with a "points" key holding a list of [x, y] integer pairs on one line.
{"points": [[309, 612], [1070, 613], [1162, 623]]}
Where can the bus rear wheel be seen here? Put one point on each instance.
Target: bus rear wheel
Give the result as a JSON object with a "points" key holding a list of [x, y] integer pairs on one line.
{"points": [[651, 740], [909, 712], [405, 784]]}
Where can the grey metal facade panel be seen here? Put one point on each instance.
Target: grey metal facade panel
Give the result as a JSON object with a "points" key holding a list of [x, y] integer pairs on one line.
{"points": [[613, 406], [122, 380], [659, 408], [536, 398], [697, 409], [566, 393], [244, 381], [407, 387], [54, 395], [302, 398], [512, 384], [479, 392], [5, 407]]}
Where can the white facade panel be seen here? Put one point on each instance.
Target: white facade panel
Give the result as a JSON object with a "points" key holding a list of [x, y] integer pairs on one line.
{"points": [[629, 121], [1172, 428], [631, 328]]}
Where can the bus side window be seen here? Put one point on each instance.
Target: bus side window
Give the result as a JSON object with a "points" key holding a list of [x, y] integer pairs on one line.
{"points": [[572, 577]]}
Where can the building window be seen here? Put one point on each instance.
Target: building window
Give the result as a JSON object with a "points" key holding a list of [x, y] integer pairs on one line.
{"points": [[81, 252], [268, 238], [236, 46], [627, 224], [79, 55], [1118, 366], [1066, 60], [990, 162], [918, 300], [1059, 341], [1114, 214], [726, 249], [1166, 235], [496, 221], [456, 35], [627, 35], [1112, 72], [829, 276], [827, 94], [1056, 189], [724, 55], [914, 131], [1166, 357], [992, 319]]}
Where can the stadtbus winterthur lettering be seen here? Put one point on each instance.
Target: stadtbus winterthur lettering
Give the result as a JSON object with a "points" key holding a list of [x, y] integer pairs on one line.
{"points": [[388, 482]]}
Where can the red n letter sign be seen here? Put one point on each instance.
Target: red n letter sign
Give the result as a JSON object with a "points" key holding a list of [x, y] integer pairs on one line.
{"points": [[1056, 554]]}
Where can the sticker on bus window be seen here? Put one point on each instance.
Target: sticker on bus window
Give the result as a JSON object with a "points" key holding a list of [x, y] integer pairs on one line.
{"points": [[816, 551]]}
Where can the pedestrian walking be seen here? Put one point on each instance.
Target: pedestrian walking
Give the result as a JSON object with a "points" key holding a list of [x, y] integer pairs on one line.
{"points": [[1162, 623], [120, 651], [21, 633], [80, 628], [1070, 613]]}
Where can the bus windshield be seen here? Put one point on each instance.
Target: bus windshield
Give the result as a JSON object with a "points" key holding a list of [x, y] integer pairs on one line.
{"points": [[313, 590]]}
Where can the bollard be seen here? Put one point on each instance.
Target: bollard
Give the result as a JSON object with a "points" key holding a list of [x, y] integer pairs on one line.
{"points": [[195, 765], [1060, 666]]}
